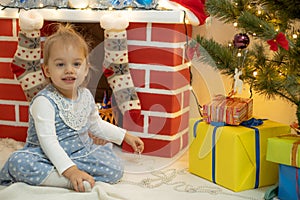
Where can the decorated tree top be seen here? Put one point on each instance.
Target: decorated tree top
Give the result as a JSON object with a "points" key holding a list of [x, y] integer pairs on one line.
{"points": [[272, 65]]}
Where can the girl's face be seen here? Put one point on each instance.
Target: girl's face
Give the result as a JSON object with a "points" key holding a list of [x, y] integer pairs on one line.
{"points": [[67, 68]]}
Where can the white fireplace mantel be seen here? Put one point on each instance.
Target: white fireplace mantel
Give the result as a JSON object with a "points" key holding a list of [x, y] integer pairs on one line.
{"points": [[73, 15]]}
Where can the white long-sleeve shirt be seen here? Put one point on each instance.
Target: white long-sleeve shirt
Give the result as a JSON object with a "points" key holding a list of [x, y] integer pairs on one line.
{"points": [[43, 114]]}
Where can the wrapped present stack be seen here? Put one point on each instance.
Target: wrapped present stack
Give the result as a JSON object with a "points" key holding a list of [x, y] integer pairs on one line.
{"points": [[229, 149], [285, 151]]}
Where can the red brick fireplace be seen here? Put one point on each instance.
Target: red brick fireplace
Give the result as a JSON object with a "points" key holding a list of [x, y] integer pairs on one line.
{"points": [[160, 73]]}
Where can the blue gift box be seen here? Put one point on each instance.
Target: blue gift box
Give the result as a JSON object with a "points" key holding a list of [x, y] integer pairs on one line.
{"points": [[289, 183]]}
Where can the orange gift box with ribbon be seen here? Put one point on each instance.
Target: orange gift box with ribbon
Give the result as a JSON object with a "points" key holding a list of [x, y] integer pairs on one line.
{"points": [[231, 110]]}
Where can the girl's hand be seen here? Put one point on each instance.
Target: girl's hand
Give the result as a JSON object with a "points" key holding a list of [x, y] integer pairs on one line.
{"points": [[135, 142], [97, 141], [77, 176]]}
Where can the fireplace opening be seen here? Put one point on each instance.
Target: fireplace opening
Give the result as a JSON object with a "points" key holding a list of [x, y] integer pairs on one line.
{"points": [[94, 35], [98, 84]]}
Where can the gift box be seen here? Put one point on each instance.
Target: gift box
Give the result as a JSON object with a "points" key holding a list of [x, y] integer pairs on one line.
{"points": [[231, 110], [289, 182], [234, 156], [284, 149]]}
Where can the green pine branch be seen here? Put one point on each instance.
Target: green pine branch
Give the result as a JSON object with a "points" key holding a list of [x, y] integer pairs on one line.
{"points": [[269, 73], [252, 24], [222, 9], [288, 9], [217, 55]]}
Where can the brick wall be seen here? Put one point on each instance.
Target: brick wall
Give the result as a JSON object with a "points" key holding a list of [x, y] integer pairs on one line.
{"points": [[13, 104], [159, 72], [162, 77]]}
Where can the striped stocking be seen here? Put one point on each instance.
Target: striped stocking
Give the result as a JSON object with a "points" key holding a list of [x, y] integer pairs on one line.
{"points": [[26, 62], [116, 68]]}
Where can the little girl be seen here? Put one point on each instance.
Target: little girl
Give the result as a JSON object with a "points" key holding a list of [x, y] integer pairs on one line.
{"points": [[58, 150]]}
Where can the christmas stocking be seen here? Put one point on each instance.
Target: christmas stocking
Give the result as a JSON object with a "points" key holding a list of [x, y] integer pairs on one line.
{"points": [[116, 69], [26, 62]]}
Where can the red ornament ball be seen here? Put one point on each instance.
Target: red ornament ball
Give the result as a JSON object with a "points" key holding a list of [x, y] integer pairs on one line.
{"points": [[241, 40]]}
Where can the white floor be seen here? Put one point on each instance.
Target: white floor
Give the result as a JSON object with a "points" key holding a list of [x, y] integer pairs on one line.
{"points": [[145, 178], [168, 178]]}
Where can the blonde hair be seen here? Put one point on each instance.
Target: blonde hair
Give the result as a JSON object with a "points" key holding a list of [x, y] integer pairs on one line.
{"points": [[66, 34]]}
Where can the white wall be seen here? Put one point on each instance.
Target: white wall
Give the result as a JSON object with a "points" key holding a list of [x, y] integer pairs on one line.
{"points": [[208, 81]]}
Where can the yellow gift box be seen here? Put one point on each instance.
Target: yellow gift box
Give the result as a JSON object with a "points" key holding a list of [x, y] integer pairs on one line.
{"points": [[234, 156], [284, 149]]}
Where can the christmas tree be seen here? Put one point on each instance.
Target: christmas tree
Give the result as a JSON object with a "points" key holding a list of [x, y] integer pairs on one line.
{"points": [[272, 65]]}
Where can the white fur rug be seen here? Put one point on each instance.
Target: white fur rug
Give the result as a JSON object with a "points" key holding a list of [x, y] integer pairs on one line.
{"points": [[146, 177]]}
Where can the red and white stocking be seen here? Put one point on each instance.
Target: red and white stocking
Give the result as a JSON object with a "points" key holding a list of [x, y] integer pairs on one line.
{"points": [[116, 67], [26, 62]]}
